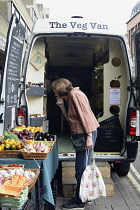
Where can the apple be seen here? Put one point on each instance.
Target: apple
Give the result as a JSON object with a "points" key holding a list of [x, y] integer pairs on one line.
{"points": [[1, 142]]}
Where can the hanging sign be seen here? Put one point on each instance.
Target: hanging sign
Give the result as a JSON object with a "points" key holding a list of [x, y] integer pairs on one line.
{"points": [[114, 96]]}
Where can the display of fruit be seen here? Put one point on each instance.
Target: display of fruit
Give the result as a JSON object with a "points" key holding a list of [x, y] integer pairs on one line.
{"points": [[14, 165], [30, 142], [29, 128], [10, 144]]}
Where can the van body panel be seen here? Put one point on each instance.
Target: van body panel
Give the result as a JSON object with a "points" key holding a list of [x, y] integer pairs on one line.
{"points": [[137, 77]]}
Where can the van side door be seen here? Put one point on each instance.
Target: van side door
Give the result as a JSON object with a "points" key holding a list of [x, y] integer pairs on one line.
{"points": [[137, 69]]}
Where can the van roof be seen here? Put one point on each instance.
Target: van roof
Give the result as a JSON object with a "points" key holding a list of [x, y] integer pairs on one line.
{"points": [[72, 25]]}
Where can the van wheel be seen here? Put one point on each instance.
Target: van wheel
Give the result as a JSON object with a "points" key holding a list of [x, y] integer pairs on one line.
{"points": [[121, 169]]}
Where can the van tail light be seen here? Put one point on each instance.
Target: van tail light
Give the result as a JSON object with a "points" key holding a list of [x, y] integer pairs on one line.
{"points": [[21, 119], [133, 123]]}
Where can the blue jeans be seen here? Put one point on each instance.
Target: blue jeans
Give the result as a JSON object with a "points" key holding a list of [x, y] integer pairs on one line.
{"points": [[80, 164]]}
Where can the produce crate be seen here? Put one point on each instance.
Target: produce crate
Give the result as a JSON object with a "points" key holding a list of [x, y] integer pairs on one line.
{"points": [[110, 135], [14, 202], [10, 153], [35, 155], [36, 121], [33, 181], [48, 143]]}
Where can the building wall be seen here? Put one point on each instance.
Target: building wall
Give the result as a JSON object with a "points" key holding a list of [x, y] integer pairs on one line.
{"points": [[4, 24], [132, 25], [29, 11]]}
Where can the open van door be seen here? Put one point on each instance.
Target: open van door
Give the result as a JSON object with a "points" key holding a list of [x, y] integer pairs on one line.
{"points": [[137, 68], [11, 74]]}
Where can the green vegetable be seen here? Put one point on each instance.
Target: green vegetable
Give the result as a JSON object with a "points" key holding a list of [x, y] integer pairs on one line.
{"points": [[6, 132], [11, 136]]}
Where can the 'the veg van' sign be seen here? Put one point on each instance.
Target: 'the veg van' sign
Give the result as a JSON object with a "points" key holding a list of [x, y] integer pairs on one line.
{"points": [[69, 25], [74, 25]]}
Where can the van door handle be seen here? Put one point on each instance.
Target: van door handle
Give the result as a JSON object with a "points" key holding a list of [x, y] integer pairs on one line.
{"points": [[1, 120], [2, 101]]}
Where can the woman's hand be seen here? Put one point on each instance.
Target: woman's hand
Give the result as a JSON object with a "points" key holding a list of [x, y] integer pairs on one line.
{"points": [[60, 102], [89, 142], [61, 105]]}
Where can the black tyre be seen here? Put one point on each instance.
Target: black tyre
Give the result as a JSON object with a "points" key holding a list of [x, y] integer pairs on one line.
{"points": [[121, 169]]}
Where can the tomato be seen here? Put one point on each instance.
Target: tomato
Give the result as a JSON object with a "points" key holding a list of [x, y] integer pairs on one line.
{"points": [[13, 147], [17, 143], [1, 166], [2, 146], [18, 147], [9, 141], [30, 142], [6, 146]]}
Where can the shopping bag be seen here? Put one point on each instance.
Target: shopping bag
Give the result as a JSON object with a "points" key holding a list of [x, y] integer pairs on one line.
{"points": [[92, 185]]}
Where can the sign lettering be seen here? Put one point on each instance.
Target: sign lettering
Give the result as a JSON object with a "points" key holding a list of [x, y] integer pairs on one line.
{"points": [[76, 25]]}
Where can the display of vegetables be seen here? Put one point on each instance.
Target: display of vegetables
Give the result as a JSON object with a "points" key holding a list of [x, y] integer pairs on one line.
{"points": [[40, 136], [24, 138], [8, 135], [39, 147], [8, 174], [10, 144], [25, 134]]}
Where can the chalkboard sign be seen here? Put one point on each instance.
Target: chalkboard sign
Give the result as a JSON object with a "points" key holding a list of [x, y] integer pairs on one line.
{"points": [[13, 68]]}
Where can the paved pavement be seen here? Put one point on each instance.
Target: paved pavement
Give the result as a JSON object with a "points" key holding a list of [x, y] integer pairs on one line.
{"points": [[134, 173], [125, 197]]}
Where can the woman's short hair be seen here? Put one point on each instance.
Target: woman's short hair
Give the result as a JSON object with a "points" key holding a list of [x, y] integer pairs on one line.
{"points": [[62, 86]]}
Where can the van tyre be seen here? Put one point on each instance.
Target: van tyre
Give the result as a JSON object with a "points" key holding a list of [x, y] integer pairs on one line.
{"points": [[121, 169]]}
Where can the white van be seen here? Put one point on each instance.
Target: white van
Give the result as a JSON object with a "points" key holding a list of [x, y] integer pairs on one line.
{"points": [[92, 56]]}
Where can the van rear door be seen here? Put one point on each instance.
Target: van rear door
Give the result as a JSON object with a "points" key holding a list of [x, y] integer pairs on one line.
{"points": [[11, 74], [137, 67]]}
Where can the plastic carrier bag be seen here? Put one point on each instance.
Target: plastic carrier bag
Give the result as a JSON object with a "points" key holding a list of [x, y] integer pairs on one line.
{"points": [[92, 185]]}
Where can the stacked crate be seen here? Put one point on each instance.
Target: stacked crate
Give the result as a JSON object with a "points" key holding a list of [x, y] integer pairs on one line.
{"points": [[69, 181]]}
